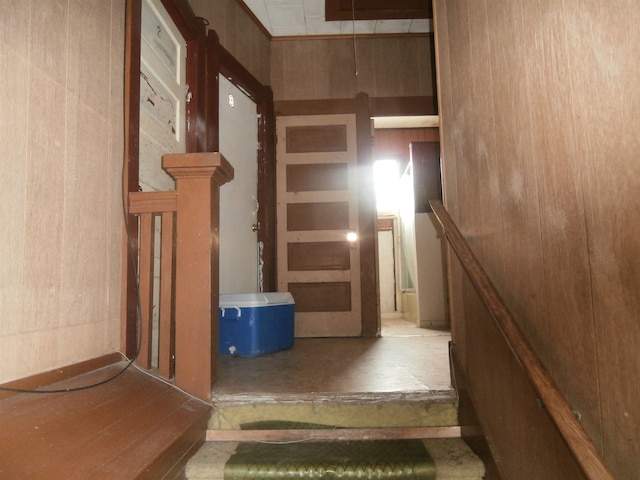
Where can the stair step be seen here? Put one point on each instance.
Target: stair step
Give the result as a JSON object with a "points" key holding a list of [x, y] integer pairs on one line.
{"points": [[330, 434], [452, 459], [384, 410]]}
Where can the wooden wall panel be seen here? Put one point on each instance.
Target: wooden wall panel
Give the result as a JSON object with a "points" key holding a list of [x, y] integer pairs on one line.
{"points": [[539, 147], [238, 34], [605, 104], [61, 126], [394, 142], [321, 68]]}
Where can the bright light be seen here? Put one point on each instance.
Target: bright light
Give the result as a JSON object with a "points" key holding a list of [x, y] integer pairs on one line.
{"points": [[352, 236], [386, 177]]}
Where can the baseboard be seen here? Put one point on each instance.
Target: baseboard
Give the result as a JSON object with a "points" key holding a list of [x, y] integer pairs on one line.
{"points": [[58, 374]]}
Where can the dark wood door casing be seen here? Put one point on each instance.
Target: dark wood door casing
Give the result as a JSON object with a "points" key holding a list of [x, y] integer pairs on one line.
{"points": [[206, 59]]}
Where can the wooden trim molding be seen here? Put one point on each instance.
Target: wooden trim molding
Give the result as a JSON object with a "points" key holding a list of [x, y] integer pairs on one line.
{"points": [[378, 106], [56, 375], [368, 221], [376, 9]]}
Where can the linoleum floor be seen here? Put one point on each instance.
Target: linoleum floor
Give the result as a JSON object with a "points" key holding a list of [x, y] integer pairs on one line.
{"points": [[405, 359]]}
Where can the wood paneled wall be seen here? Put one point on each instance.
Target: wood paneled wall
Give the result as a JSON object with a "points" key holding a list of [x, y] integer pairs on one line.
{"points": [[393, 143], [239, 34], [61, 152], [321, 68], [539, 110]]}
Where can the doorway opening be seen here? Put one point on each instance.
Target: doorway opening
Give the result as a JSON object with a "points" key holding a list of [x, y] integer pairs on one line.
{"points": [[395, 243]]}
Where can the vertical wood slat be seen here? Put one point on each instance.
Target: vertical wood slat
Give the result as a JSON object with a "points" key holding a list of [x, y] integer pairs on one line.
{"points": [[145, 281], [148, 206], [166, 315]]}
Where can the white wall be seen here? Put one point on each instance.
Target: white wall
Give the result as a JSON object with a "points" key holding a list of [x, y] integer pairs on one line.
{"points": [[432, 311]]}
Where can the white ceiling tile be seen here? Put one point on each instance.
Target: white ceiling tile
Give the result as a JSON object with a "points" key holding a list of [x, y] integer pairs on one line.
{"points": [[361, 26], [306, 17], [313, 8], [317, 26], [288, 31], [287, 16]]}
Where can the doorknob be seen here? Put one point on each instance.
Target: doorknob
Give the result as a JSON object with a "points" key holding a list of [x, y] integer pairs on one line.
{"points": [[255, 227]]}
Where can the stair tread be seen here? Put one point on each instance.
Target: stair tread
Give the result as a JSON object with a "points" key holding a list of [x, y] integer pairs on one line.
{"points": [[452, 457]]}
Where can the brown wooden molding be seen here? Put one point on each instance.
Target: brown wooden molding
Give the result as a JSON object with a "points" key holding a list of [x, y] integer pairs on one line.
{"points": [[376, 9], [379, 106], [152, 202], [403, 106], [368, 215], [56, 375]]}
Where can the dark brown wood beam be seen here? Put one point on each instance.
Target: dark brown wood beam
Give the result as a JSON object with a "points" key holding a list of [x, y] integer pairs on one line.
{"points": [[377, 9]]}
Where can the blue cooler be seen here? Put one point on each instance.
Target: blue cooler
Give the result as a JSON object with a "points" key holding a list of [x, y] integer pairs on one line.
{"points": [[253, 324]]}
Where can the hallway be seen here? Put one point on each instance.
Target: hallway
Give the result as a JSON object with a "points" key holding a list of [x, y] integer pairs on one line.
{"points": [[405, 361]]}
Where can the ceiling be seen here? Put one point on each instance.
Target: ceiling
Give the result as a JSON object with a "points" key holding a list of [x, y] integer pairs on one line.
{"points": [[283, 18]]}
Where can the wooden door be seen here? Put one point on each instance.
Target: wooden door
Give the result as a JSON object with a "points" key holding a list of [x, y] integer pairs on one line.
{"points": [[162, 94], [317, 207]]}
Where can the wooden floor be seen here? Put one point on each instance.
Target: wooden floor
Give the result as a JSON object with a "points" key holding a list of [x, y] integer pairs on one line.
{"points": [[133, 427]]}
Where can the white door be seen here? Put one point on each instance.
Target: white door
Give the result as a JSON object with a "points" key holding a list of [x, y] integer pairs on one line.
{"points": [[239, 198], [162, 94]]}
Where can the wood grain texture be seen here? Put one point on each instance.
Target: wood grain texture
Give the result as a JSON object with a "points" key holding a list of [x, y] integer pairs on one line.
{"points": [[559, 410], [535, 170], [61, 239], [314, 69], [321, 296], [305, 256], [317, 138], [318, 216], [132, 427]]}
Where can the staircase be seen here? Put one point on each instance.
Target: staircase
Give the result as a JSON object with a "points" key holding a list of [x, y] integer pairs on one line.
{"points": [[383, 435]]}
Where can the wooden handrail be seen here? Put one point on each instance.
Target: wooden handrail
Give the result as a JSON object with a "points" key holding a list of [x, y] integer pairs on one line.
{"points": [[559, 410]]}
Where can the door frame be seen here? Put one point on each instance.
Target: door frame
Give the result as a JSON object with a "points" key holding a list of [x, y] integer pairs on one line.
{"points": [[205, 60], [363, 107]]}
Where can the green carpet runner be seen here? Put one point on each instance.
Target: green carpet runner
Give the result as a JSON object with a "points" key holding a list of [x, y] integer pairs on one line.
{"points": [[371, 460]]}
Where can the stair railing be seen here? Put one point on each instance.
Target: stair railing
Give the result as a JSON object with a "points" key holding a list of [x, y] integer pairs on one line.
{"points": [[577, 439], [155, 209], [188, 289]]}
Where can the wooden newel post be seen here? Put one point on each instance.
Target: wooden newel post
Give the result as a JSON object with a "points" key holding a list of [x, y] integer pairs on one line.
{"points": [[198, 179]]}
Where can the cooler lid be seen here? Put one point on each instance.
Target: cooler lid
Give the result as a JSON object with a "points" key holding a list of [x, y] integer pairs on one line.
{"points": [[255, 299]]}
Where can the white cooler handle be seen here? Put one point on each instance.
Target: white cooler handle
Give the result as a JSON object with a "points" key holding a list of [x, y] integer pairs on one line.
{"points": [[237, 309]]}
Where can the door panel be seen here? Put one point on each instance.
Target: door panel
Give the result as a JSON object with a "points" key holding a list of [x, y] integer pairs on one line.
{"points": [[162, 94], [239, 199], [317, 208]]}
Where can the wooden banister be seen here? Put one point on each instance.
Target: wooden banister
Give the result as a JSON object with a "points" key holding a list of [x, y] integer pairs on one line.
{"points": [[559, 410], [148, 206], [188, 293], [198, 179]]}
